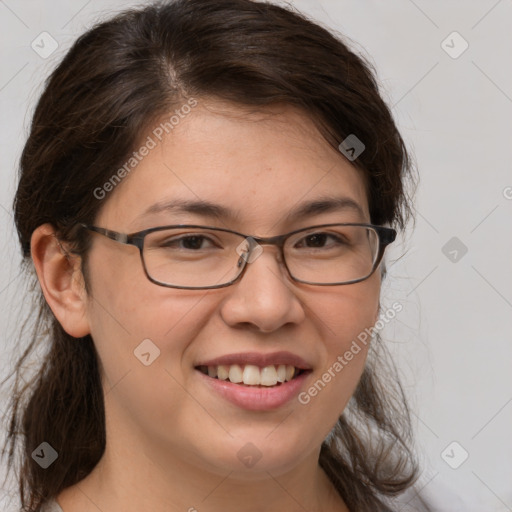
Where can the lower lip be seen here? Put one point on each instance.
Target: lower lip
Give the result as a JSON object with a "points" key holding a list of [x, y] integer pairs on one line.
{"points": [[255, 398]]}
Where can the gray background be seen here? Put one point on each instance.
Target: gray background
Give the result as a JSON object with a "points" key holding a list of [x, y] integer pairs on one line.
{"points": [[452, 341]]}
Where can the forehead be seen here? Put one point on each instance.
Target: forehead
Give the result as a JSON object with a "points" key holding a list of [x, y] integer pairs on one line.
{"points": [[257, 165]]}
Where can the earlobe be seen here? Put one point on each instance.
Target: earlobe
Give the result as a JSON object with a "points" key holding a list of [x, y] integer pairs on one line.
{"points": [[61, 280]]}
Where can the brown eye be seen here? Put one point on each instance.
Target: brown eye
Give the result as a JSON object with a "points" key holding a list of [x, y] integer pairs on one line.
{"points": [[190, 242], [319, 241]]}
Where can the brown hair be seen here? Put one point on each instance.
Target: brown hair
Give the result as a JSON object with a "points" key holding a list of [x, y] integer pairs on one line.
{"points": [[117, 79]]}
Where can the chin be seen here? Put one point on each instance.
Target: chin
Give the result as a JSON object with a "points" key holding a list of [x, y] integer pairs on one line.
{"points": [[254, 460]]}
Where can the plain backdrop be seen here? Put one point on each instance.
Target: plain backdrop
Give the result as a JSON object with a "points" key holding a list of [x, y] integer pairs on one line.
{"points": [[444, 68]]}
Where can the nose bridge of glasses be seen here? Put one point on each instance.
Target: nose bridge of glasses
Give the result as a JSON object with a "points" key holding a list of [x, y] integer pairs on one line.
{"points": [[252, 247]]}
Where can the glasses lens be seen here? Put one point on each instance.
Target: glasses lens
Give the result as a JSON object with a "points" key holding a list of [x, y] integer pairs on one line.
{"points": [[192, 257], [334, 254]]}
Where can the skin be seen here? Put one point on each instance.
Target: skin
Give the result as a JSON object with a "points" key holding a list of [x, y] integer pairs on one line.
{"points": [[171, 442]]}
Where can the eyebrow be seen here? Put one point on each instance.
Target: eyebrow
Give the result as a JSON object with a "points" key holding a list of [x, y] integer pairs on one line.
{"points": [[325, 205], [217, 211]]}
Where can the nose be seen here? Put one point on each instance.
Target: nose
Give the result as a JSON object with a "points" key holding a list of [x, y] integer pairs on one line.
{"points": [[265, 297]]}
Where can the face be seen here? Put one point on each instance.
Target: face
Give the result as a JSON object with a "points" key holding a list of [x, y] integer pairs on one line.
{"points": [[259, 168]]}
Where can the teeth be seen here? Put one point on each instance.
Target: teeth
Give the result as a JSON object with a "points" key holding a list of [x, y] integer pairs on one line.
{"points": [[252, 375], [222, 372], [235, 373], [269, 375], [281, 373]]}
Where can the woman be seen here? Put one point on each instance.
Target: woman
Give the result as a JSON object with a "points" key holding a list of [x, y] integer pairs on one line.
{"points": [[205, 196]]}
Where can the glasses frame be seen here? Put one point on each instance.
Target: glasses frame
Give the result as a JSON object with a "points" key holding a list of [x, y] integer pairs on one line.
{"points": [[385, 236]]}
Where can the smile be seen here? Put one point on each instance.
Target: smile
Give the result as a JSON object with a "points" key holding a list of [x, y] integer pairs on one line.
{"points": [[252, 375]]}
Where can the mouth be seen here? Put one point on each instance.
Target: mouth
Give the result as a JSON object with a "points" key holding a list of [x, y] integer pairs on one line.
{"points": [[255, 381], [250, 375]]}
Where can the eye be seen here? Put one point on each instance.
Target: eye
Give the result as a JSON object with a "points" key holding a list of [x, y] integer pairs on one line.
{"points": [[188, 242], [319, 241]]}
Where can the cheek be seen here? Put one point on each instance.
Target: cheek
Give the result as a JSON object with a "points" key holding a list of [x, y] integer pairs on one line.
{"points": [[344, 318], [125, 309], [142, 341], [345, 312]]}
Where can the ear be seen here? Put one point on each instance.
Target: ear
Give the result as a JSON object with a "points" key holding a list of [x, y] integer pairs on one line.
{"points": [[61, 280]]}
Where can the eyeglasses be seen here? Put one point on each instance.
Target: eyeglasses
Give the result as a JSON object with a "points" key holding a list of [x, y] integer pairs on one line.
{"points": [[200, 257]]}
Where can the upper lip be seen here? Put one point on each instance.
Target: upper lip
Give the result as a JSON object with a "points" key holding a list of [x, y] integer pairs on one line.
{"points": [[258, 359]]}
